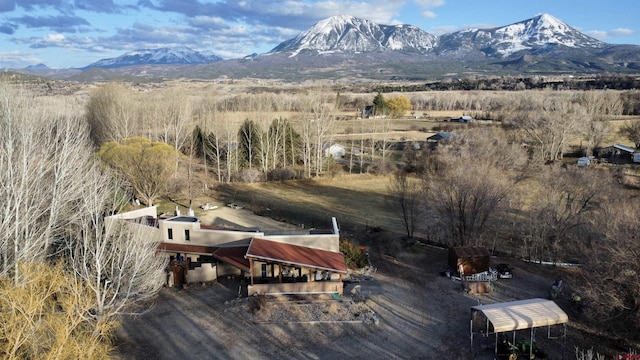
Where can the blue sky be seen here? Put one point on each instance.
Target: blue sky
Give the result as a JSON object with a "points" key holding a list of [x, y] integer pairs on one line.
{"points": [[75, 33]]}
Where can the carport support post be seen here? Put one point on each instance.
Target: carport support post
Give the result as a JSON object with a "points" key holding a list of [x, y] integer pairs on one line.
{"points": [[471, 334], [531, 343]]}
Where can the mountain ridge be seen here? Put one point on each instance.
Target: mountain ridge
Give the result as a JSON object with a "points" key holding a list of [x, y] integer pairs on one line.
{"points": [[159, 56], [343, 47]]}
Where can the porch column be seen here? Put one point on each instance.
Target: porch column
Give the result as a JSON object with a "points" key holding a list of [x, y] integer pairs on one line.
{"points": [[279, 273], [311, 277], [251, 270]]}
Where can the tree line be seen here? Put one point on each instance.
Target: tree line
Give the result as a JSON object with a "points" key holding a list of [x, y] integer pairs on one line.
{"points": [[509, 83]]}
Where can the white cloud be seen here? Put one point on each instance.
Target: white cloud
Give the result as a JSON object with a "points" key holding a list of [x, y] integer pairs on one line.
{"points": [[54, 38], [609, 34], [428, 14], [426, 6]]}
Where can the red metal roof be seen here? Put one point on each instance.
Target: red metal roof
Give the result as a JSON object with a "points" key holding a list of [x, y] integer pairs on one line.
{"points": [[233, 256], [187, 248], [274, 251]]}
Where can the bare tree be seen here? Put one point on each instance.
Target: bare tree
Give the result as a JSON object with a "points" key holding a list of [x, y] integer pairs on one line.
{"points": [[469, 181], [52, 202], [317, 130], [176, 119], [111, 113], [631, 131], [593, 130], [43, 166], [117, 260], [406, 192], [565, 199], [550, 125], [608, 281]]}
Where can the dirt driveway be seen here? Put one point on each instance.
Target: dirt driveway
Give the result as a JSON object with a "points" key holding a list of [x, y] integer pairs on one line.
{"points": [[418, 314]]}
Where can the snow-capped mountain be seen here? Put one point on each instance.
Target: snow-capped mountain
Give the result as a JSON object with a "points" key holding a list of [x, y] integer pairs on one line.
{"points": [[348, 34], [536, 34], [176, 55], [344, 46]]}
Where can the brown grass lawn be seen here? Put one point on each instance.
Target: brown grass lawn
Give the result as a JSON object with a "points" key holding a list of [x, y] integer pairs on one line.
{"points": [[359, 202]]}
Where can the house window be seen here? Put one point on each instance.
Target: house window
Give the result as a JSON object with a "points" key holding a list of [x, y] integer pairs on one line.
{"points": [[263, 270], [170, 234], [186, 234]]}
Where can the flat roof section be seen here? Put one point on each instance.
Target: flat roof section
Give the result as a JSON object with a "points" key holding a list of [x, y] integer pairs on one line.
{"points": [[190, 219]]}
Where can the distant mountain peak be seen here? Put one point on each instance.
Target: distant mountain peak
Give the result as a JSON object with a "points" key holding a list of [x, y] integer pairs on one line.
{"points": [[349, 34], [540, 32], [159, 56], [39, 66]]}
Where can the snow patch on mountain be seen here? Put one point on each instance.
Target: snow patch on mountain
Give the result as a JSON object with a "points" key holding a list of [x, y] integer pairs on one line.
{"points": [[175, 55]]}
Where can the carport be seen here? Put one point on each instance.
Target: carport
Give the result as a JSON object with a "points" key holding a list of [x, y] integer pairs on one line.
{"points": [[516, 315]]}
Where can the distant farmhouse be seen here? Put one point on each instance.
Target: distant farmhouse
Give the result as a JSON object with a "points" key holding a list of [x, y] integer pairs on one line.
{"points": [[618, 153]]}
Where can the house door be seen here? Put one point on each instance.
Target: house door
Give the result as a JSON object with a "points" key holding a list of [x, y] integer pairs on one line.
{"points": [[179, 275]]}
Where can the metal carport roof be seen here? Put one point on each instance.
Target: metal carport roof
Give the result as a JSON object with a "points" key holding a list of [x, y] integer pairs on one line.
{"points": [[522, 314]]}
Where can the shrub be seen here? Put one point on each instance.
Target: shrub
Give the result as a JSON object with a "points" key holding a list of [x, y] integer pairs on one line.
{"points": [[354, 255], [258, 303], [282, 174], [381, 167], [249, 176]]}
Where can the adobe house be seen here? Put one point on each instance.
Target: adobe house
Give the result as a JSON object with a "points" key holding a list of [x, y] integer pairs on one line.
{"points": [[273, 264]]}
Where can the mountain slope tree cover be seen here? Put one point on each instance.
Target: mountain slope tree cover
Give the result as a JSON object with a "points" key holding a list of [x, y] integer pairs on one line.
{"points": [[52, 203]]}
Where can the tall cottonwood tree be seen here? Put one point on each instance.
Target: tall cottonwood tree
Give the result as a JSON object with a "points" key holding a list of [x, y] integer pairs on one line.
{"points": [[469, 181], [316, 130], [549, 124], [44, 165], [111, 113]]}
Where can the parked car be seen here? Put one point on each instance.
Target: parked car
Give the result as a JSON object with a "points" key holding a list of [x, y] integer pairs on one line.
{"points": [[208, 206], [234, 206], [504, 271]]}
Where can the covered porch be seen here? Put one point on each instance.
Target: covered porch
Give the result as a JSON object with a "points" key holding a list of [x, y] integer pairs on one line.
{"points": [[281, 268]]}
